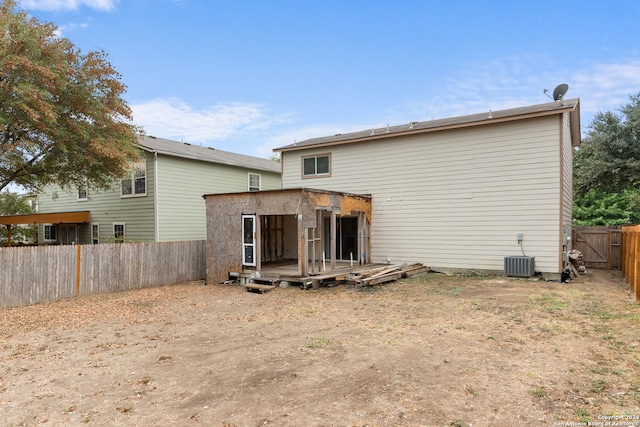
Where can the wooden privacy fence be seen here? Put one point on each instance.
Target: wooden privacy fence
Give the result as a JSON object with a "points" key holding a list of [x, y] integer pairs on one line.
{"points": [[631, 258], [30, 275]]}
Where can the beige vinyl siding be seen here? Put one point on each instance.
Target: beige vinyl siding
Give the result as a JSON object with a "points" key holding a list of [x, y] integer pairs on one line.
{"points": [[107, 207], [453, 198], [183, 182], [567, 169]]}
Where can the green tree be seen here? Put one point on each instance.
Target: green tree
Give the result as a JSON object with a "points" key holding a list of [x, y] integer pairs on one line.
{"points": [[598, 207], [609, 156], [14, 204], [606, 169], [62, 118]]}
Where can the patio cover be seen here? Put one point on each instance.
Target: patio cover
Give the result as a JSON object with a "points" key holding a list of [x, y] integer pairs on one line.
{"points": [[47, 218], [43, 218]]}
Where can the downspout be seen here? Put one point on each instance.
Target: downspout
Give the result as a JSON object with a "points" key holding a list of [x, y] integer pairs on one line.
{"points": [[155, 195]]}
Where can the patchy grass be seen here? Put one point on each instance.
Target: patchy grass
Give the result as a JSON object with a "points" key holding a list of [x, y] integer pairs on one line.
{"points": [[538, 392], [582, 415], [314, 343], [427, 349], [549, 301]]}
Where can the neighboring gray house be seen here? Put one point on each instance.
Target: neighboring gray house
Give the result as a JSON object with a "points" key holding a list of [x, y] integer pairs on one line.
{"points": [[454, 194], [161, 200]]}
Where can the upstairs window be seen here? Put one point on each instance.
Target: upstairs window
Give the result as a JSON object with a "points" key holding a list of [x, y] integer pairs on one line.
{"points": [[316, 165], [254, 182], [82, 192], [136, 183]]}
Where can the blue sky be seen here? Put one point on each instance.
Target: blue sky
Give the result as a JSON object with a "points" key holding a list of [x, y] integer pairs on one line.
{"points": [[250, 75]]}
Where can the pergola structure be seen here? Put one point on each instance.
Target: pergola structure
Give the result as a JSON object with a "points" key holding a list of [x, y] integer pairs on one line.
{"points": [[80, 217]]}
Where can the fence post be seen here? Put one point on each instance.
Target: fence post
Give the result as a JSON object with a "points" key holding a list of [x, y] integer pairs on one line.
{"points": [[631, 253], [634, 285], [629, 256], [78, 273]]}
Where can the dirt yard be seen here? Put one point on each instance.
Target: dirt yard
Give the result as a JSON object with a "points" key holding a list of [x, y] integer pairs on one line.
{"points": [[430, 351]]}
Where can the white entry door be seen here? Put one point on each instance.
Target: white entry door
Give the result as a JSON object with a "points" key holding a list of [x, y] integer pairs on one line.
{"points": [[249, 240]]}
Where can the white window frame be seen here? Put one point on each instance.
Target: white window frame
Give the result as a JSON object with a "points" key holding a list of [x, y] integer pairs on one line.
{"points": [[44, 233], [124, 232], [132, 178], [253, 187], [315, 174], [95, 237], [83, 187], [249, 240]]}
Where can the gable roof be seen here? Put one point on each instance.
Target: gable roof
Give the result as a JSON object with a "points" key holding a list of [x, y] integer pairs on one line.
{"points": [[490, 117], [205, 154]]}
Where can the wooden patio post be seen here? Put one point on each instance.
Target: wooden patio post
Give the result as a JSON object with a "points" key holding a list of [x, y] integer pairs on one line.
{"points": [[332, 245], [8, 235], [362, 254], [302, 248], [258, 247]]}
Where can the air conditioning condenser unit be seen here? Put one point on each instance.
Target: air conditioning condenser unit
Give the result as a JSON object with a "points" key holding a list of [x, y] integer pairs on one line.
{"points": [[519, 266]]}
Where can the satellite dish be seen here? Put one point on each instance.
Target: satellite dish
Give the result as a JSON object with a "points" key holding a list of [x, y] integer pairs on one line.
{"points": [[560, 91]]}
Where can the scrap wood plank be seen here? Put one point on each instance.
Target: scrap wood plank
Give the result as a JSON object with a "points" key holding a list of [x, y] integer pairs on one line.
{"points": [[390, 277], [379, 270], [392, 273], [416, 271], [386, 270], [417, 268], [403, 268], [388, 274], [366, 275], [255, 287], [347, 273]]}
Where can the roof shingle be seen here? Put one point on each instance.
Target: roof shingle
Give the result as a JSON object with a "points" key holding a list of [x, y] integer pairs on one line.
{"points": [[206, 154], [487, 117]]}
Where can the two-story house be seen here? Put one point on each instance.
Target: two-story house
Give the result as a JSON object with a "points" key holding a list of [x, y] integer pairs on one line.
{"points": [[161, 200], [461, 193]]}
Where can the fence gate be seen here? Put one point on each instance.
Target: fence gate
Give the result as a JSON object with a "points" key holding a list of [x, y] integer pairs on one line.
{"points": [[600, 245]]}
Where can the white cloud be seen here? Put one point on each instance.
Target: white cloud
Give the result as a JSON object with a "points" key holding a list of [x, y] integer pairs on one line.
{"points": [[175, 119], [250, 128], [63, 29], [606, 87], [516, 82], [104, 5], [508, 83]]}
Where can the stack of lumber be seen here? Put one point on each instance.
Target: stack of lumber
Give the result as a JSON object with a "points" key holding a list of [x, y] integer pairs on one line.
{"points": [[389, 273], [577, 261]]}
